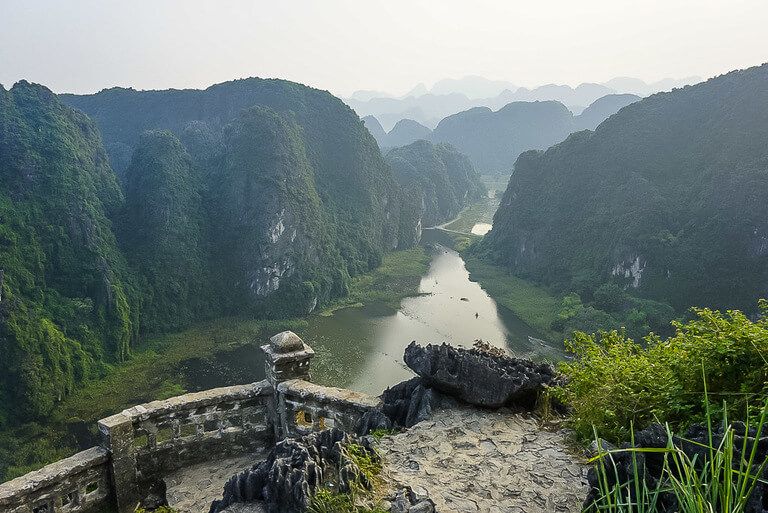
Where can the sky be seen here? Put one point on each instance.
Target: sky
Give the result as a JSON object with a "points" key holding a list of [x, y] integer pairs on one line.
{"points": [[83, 46]]}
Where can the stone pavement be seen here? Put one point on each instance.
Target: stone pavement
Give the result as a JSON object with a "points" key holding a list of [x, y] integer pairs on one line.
{"points": [[193, 488], [470, 460]]}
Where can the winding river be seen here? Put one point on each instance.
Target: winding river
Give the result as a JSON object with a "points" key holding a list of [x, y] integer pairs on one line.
{"points": [[362, 348]]}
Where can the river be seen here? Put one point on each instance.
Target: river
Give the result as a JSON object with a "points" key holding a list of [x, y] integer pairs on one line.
{"points": [[362, 348]]}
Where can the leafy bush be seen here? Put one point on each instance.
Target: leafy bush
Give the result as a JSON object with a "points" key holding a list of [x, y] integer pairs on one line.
{"points": [[614, 382]]}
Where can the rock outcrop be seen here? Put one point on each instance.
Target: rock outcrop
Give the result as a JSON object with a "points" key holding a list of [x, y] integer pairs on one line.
{"points": [[294, 469], [478, 377]]}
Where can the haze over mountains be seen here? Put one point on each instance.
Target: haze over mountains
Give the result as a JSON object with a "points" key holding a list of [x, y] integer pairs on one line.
{"points": [[493, 139], [449, 96]]}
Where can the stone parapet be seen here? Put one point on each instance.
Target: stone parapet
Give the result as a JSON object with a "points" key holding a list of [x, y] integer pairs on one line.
{"points": [[76, 484], [144, 443], [304, 407]]}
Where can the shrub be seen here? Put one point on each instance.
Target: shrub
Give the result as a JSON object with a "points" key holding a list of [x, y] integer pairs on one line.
{"points": [[614, 382]]}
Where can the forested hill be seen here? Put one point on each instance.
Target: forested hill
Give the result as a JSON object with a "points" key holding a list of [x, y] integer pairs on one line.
{"points": [[667, 197], [255, 196], [494, 139], [352, 181], [437, 183], [68, 302]]}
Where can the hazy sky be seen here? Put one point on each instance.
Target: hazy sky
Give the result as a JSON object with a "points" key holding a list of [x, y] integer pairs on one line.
{"points": [[343, 45]]}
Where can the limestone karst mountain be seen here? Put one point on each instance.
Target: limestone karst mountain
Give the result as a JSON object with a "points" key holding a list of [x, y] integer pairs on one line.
{"points": [[69, 301], [601, 109], [437, 182], [667, 195], [375, 128], [493, 140], [405, 132], [451, 96], [258, 196]]}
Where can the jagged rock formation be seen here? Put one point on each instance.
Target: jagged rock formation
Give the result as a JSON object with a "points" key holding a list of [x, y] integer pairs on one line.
{"points": [[402, 406], [666, 197], [294, 470], [479, 378], [695, 444], [405, 500]]}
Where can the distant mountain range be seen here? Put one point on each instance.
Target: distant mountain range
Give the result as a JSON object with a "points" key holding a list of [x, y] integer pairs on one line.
{"points": [[449, 96], [493, 139]]}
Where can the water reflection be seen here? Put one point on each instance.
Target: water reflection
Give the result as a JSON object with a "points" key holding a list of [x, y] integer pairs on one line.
{"points": [[362, 348]]}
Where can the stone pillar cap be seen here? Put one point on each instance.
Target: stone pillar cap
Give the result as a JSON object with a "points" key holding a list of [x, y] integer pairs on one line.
{"points": [[286, 342]]}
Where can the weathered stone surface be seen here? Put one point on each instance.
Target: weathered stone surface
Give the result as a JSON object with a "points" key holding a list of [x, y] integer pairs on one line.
{"points": [[196, 400], [50, 485], [469, 460], [286, 342], [694, 444], [479, 377], [293, 471], [193, 488]]}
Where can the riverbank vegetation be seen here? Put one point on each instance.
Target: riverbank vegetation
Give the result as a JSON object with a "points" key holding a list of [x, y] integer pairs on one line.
{"points": [[396, 278]]}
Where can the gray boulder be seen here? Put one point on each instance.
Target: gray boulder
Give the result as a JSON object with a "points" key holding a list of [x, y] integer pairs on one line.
{"points": [[479, 377]]}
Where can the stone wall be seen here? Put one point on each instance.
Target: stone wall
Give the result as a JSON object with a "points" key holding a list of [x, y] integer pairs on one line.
{"points": [[306, 407], [76, 484], [143, 443]]}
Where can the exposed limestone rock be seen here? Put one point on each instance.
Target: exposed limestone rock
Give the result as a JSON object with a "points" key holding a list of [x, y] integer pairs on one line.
{"points": [[406, 501], [478, 377], [293, 471], [403, 405]]}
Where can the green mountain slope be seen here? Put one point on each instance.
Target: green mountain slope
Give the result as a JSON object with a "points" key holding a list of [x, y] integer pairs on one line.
{"points": [[163, 231], [437, 182], [355, 187], [667, 197], [67, 304]]}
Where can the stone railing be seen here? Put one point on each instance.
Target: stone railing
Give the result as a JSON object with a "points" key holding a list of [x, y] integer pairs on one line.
{"points": [[305, 407], [142, 444], [150, 440], [78, 483]]}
